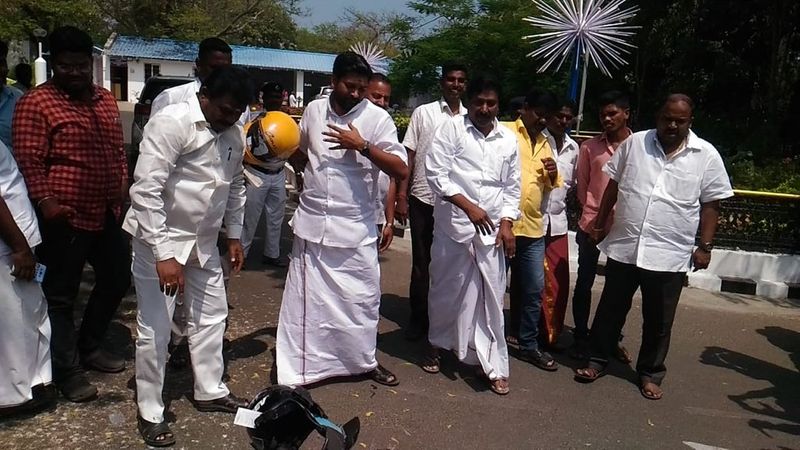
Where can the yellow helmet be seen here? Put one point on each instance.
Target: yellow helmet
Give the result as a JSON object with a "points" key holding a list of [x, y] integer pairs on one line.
{"points": [[279, 131]]}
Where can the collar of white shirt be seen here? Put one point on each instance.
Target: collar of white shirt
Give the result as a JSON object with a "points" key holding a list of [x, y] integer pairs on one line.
{"points": [[462, 110], [692, 142], [495, 133], [196, 114]]}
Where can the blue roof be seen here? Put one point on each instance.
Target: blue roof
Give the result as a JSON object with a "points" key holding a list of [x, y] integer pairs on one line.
{"points": [[261, 57]]}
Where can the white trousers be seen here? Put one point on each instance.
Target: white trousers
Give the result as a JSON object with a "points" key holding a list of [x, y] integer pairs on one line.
{"points": [[328, 322], [24, 337], [206, 308], [269, 196], [465, 302]]}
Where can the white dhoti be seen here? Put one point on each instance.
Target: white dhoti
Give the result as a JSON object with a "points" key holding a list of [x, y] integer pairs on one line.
{"points": [[24, 337], [465, 303], [206, 307], [264, 192], [329, 314]]}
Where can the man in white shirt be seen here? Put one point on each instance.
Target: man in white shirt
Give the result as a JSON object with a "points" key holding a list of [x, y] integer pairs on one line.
{"points": [[555, 296], [417, 204], [212, 53], [472, 167], [329, 313], [26, 383], [664, 182], [379, 91], [188, 181], [265, 178]]}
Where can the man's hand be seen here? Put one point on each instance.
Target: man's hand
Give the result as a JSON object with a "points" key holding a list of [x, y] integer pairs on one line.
{"points": [[387, 234], [52, 211], [551, 167], [505, 237], [479, 218], [700, 259], [344, 139], [401, 209], [236, 254], [170, 277], [24, 264]]}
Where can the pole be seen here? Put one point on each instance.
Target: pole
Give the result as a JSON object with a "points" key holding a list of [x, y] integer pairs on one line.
{"points": [[40, 67], [583, 92]]}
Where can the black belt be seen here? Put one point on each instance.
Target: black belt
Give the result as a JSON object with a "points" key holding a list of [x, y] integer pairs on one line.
{"points": [[264, 170]]}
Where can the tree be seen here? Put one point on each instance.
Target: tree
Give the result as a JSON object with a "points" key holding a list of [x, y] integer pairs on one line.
{"points": [[486, 35], [389, 31]]}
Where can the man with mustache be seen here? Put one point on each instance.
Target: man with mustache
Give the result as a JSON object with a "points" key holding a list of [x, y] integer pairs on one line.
{"points": [[665, 183], [379, 92], [68, 143], [419, 206], [473, 170], [329, 314], [188, 182], [591, 183]]}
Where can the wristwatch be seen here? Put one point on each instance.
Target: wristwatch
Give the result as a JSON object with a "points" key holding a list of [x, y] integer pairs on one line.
{"points": [[365, 149], [706, 247]]}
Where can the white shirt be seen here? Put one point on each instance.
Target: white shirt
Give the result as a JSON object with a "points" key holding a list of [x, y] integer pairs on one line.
{"points": [[554, 205], [340, 187], [15, 194], [173, 95], [419, 136], [188, 178], [658, 205], [182, 93], [484, 169], [380, 204]]}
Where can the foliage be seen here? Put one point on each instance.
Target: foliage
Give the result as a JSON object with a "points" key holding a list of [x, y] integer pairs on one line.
{"points": [[254, 22], [771, 176], [401, 121], [388, 31], [484, 34]]}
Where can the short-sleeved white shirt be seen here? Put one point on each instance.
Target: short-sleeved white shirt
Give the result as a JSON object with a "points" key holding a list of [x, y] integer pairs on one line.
{"points": [[419, 137], [15, 194], [554, 205], [340, 187], [658, 205]]}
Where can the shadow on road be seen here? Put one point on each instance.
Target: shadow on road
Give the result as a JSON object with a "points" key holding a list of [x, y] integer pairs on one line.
{"points": [[780, 401]]}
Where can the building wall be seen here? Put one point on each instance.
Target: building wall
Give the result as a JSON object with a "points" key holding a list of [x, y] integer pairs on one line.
{"points": [[169, 68]]}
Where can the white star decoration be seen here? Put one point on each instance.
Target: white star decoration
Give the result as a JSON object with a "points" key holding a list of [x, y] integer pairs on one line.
{"points": [[596, 27], [374, 56]]}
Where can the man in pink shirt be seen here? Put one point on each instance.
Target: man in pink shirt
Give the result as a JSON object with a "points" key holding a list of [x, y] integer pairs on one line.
{"points": [[593, 155]]}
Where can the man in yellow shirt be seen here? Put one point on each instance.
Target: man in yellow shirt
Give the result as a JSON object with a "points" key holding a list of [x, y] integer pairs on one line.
{"points": [[539, 174]]}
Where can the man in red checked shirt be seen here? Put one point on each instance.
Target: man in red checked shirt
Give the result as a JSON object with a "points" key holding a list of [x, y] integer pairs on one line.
{"points": [[68, 144]]}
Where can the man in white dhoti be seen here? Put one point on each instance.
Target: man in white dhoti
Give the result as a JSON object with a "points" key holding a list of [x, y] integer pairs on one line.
{"points": [[26, 375], [473, 170], [329, 314], [188, 180]]}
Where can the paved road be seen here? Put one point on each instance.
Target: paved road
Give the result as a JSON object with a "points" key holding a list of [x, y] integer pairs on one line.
{"points": [[733, 383]]}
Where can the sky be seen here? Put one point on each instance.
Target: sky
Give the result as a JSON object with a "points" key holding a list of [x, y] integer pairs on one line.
{"points": [[331, 10]]}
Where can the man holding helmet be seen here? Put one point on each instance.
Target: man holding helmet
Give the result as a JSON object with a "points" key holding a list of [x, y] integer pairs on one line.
{"points": [[271, 138]]}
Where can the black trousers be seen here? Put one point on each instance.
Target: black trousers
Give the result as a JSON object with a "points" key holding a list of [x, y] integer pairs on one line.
{"points": [[65, 250], [588, 254], [660, 294], [420, 215]]}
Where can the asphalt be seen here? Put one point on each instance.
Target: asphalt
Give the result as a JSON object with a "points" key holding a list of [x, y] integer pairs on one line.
{"points": [[733, 383]]}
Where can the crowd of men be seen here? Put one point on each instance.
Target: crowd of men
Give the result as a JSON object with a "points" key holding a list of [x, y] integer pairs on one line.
{"points": [[483, 199]]}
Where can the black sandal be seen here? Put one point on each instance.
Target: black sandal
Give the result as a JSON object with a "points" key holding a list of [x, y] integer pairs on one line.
{"points": [[540, 359], [151, 432], [382, 376], [431, 362]]}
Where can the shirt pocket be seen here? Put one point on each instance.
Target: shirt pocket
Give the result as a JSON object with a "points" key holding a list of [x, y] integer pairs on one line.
{"points": [[681, 185]]}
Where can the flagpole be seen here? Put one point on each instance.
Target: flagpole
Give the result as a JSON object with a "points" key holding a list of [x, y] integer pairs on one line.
{"points": [[583, 92]]}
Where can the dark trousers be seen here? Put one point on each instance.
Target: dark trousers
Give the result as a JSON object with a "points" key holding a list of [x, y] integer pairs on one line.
{"points": [[527, 284], [660, 294], [421, 217], [588, 254], [65, 251]]}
